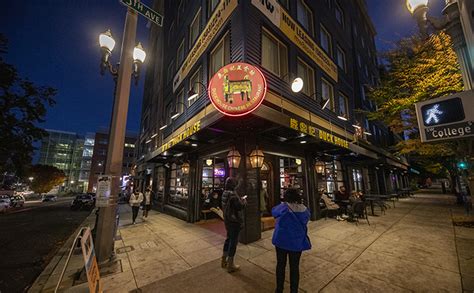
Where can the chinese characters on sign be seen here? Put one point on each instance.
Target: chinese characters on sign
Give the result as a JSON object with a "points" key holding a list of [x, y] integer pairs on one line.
{"points": [[237, 89], [182, 136], [309, 129]]}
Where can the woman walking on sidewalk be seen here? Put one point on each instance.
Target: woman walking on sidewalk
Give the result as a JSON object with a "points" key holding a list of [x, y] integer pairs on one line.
{"points": [[233, 219], [147, 202], [135, 200], [290, 237]]}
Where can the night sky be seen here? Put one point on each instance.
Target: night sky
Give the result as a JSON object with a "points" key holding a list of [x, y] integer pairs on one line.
{"points": [[55, 43]]}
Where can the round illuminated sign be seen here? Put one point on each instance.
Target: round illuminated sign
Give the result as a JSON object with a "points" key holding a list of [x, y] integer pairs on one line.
{"points": [[237, 89]]}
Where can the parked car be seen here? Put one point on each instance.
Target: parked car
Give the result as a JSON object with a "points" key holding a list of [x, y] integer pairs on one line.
{"points": [[17, 201], [83, 202], [6, 198], [49, 197], [4, 205]]}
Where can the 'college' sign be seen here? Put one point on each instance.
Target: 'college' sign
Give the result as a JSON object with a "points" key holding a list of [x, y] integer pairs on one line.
{"points": [[237, 89], [446, 118]]}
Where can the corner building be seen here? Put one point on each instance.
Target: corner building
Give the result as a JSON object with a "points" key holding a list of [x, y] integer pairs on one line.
{"points": [[312, 139]]}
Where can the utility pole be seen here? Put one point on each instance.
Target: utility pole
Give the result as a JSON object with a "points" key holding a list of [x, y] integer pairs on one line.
{"points": [[106, 224]]}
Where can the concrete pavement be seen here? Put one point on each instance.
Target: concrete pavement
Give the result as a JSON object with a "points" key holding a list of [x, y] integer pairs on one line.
{"points": [[413, 247]]}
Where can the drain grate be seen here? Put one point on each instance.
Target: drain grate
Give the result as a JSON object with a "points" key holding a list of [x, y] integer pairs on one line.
{"points": [[125, 249]]}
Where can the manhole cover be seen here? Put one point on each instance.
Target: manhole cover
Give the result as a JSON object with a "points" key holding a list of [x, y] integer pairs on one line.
{"points": [[125, 249]]}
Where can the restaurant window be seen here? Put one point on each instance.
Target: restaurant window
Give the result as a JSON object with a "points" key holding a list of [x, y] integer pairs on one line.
{"points": [[326, 40], [220, 55], [180, 55], [341, 58], [213, 179], [327, 93], [195, 28], [274, 54], [343, 105], [339, 14], [159, 180], [330, 177], [291, 174], [304, 16], [307, 74], [357, 180], [194, 83], [178, 194], [211, 6]]}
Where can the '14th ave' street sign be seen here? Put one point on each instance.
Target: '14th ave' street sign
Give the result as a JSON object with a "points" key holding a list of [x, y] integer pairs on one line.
{"points": [[446, 118], [144, 10]]}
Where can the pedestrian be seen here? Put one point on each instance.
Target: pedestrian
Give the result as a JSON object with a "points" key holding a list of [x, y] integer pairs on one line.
{"points": [[290, 237], [147, 202], [233, 205], [135, 200]]}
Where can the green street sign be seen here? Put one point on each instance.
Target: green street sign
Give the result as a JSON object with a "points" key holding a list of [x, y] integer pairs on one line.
{"points": [[144, 10]]}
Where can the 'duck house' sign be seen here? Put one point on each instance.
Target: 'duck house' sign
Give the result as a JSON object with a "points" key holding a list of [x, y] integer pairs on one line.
{"points": [[237, 89]]}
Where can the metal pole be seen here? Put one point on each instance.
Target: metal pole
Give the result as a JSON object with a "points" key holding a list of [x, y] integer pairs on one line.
{"points": [[113, 166]]}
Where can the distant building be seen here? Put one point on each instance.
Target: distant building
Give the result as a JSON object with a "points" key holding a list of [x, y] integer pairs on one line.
{"points": [[99, 157], [63, 150]]}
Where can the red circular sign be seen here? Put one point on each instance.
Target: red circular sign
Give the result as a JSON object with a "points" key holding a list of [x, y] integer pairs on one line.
{"points": [[237, 89]]}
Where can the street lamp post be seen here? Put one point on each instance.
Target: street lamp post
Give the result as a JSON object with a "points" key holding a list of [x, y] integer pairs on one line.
{"points": [[130, 57], [451, 22]]}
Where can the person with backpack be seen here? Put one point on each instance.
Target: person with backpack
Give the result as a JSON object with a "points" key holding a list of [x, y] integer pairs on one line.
{"points": [[233, 205], [290, 237], [135, 200]]}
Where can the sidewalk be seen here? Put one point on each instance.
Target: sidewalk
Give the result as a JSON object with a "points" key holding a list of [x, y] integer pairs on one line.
{"points": [[413, 247]]}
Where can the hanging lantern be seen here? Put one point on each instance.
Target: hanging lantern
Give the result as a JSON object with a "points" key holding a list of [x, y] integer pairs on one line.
{"points": [[256, 158], [319, 166], [233, 158], [185, 168]]}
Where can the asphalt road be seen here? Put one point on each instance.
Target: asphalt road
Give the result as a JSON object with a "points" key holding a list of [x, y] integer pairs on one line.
{"points": [[29, 238]]}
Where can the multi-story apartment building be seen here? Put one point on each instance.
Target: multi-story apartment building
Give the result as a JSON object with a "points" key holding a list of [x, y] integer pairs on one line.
{"points": [[248, 119], [99, 157]]}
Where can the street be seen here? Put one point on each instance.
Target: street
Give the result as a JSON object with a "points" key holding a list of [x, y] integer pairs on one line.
{"points": [[30, 237]]}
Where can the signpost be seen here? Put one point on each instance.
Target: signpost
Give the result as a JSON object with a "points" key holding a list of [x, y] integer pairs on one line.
{"points": [[446, 118], [144, 10], [90, 261], [104, 185]]}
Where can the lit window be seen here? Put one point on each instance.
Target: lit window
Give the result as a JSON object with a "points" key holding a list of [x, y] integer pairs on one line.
{"points": [[274, 55], [343, 105], [195, 28], [341, 58], [307, 74], [327, 93], [304, 15], [180, 54], [194, 83], [339, 14], [326, 40], [220, 55]]}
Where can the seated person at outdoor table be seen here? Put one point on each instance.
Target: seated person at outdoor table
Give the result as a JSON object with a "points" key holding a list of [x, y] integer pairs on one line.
{"points": [[214, 204], [332, 206], [341, 197]]}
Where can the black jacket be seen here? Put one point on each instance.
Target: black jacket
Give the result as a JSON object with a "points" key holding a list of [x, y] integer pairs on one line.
{"points": [[232, 205]]}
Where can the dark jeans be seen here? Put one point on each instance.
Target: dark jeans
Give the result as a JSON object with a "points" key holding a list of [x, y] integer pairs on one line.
{"points": [[294, 256], [135, 212], [230, 244]]}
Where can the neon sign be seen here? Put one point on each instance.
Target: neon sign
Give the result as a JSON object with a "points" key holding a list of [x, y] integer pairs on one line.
{"points": [[219, 172]]}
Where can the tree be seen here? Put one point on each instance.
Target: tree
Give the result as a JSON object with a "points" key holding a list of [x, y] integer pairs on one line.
{"points": [[417, 70], [22, 106], [45, 178]]}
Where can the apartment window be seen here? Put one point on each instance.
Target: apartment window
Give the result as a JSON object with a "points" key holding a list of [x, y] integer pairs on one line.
{"points": [[327, 93], [339, 14], [304, 15], [366, 124], [220, 55], [169, 78], [180, 101], [328, 2], [180, 57], [341, 58], [326, 40], [274, 54], [359, 60], [366, 70], [285, 3], [307, 74], [356, 33], [170, 33], [343, 105], [195, 28], [169, 111], [212, 4], [194, 83], [362, 92], [362, 42]]}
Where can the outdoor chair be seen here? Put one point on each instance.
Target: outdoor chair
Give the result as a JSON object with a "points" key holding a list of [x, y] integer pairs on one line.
{"points": [[359, 210]]}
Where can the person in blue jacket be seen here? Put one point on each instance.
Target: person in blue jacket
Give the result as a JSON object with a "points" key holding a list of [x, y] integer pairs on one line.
{"points": [[290, 237]]}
